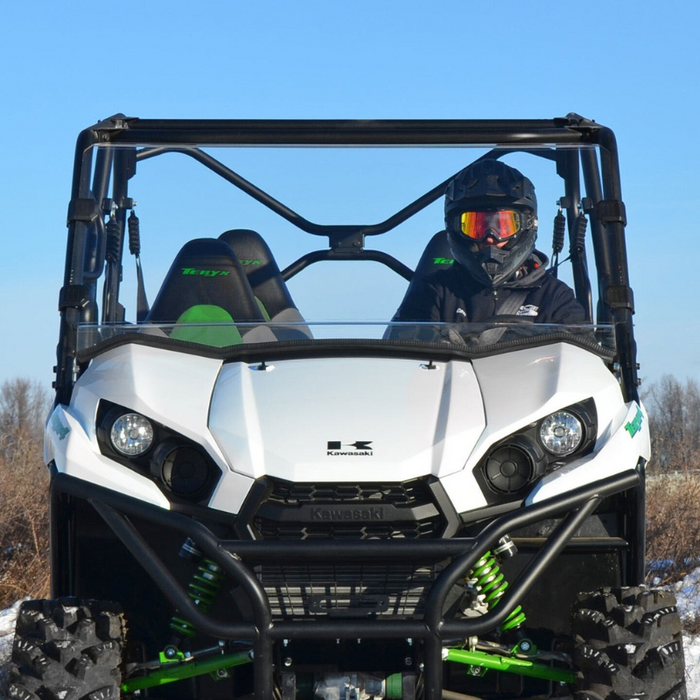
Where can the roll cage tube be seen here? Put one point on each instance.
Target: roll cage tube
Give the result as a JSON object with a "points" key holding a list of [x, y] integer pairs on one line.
{"points": [[78, 304], [601, 251], [618, 295], [569, 164]]}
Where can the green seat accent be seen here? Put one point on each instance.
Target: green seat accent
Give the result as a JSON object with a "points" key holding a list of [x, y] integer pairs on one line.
{"points": [[263, 310], [215, 335]]}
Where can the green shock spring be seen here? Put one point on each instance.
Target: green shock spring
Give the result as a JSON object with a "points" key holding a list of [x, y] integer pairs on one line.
{"points": [[488, 580], [203, 589]]}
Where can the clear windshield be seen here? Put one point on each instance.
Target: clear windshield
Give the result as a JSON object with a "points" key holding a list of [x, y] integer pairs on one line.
{"points": [[341, 279], [231, 339]]}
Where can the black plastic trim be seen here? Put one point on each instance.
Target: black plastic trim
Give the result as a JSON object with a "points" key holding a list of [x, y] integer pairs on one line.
{"points": [[301, 349], [620, 298], [84, 209], [258, 505], [611, 211], [74, 296]]}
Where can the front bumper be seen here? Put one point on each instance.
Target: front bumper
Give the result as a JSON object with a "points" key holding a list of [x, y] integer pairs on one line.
{"points": [[237, 559]]}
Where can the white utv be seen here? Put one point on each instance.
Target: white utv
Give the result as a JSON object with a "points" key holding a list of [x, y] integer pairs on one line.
{"points": [[262, 487]]}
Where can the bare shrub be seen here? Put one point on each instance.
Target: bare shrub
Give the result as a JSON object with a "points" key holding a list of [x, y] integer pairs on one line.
{"points": [[673, 530], [674, 420], [673, 488], [24, 533]]}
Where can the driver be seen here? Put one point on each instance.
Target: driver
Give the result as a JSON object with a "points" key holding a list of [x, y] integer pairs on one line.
{"points": [[491, 222]]}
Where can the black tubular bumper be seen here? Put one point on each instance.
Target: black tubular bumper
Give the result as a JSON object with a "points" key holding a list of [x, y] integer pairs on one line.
{"points": [[432, 629]]}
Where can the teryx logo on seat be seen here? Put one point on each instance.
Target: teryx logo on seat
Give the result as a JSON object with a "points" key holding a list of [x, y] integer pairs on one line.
{"points": [[362, 448], [204, 273]]}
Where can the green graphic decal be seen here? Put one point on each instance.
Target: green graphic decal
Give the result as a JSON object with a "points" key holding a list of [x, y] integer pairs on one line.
{"points": [[635, 425], [443, 261], [204, 273], [58, 427], [250, 262]]}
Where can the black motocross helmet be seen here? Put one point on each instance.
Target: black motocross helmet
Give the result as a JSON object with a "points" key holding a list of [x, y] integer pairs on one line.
{"points": [[489, 186]]}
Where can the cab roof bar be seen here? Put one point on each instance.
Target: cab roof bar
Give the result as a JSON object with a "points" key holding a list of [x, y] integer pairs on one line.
{"points": [[125, 130]]}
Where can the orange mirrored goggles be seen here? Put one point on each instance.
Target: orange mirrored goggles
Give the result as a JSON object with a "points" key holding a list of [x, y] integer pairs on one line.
{"points": [[500, 224]]}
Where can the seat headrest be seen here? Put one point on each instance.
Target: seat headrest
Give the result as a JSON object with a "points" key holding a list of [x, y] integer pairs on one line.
{"points": [[205, 272], [261, 269]]}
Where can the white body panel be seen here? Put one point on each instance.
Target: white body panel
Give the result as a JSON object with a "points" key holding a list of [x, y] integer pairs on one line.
{"points": [[345, 419], [69, 446], [519, 388], [278, 422]]}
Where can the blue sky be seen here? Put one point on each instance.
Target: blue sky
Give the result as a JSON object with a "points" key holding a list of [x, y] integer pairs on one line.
{"points": [[632, 66]]}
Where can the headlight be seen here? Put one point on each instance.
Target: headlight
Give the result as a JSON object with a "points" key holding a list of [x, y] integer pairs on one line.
{"points": [[509, 468], [561, 433], [186, 471], [512, 466], [131, 434], [181, 468]]}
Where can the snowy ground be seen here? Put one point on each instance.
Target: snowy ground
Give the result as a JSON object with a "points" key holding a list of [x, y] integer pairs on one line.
{"points": [[7, 625], [687, 592], [688, 595]]}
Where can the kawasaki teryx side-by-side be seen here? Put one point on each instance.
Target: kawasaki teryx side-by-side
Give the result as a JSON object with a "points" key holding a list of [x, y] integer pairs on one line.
{"points": [[263, 487]]}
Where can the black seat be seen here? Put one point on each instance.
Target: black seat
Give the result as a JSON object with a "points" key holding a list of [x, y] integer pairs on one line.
{"points": [[436, 256], [266, 281], [206, 285]]}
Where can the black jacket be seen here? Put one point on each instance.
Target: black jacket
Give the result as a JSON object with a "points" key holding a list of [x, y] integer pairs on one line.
{"points": [[452, 296]]}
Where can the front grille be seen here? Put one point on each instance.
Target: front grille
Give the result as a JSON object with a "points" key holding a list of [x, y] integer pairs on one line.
{"points": [[282, 510], [270, 530], [298, 511], [405, 494], [353, 590]]}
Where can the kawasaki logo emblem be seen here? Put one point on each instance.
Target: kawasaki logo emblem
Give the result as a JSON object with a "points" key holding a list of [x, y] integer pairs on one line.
{"points": [[361, 448], [635, 425], [204, 273], [347, 513], [443, 261]]}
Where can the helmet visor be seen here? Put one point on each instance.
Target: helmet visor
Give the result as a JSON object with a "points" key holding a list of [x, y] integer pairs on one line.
{"points": [[502, 224]]}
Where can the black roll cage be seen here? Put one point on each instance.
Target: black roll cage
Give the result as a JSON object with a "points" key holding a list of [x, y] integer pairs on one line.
{"points": [[92, 248]]}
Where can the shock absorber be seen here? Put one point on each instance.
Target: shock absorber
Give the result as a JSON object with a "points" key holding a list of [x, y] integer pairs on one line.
{"points": [[203, 588], [580, 233], [135, 250], [488, 580], [558, 239], [114, 242]]}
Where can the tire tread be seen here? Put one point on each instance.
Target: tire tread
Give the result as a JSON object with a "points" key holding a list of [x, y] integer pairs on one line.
{"points": [[66, 649], [628, 645]]}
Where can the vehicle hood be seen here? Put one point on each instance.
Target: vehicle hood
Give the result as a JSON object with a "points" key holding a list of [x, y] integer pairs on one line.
{"points": [[347, 419]]}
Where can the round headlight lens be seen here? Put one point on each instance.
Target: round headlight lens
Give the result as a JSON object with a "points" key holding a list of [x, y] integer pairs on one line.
{"points": [[561, 433], [131, 434], [508, 469], [186, 471]]}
